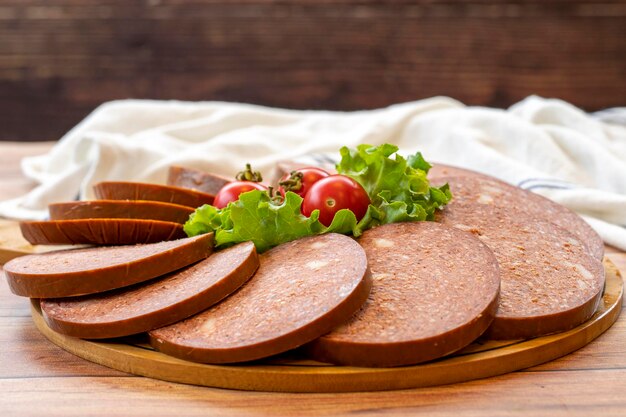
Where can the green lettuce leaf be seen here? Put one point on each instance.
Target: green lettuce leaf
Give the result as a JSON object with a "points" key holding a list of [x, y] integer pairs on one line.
{"points": [[255, 217], [398, 189]]}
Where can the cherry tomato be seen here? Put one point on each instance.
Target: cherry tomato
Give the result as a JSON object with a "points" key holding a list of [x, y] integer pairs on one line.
{"points": [[309, 177], [334, 193], [230, 192]]}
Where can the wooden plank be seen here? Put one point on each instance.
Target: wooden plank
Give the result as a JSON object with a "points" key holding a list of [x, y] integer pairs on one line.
{"points": [[518, 394], [59, 60], [10, 304], [26, 354]]}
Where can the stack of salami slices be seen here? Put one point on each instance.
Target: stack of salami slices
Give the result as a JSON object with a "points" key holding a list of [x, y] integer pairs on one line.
{"points": [[498, 262], [125, 213]]}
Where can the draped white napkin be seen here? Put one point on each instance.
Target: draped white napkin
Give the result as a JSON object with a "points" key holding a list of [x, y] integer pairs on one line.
{"points": [[547, 146]]}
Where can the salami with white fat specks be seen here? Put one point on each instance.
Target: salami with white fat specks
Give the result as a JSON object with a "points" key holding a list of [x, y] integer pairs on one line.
{"points": [[483, 191], [302, 290], [154, 304], [435, 290], [550, 283]]}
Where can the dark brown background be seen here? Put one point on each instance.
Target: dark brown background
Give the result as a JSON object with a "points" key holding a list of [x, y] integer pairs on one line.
{"points": [[60, 59]]}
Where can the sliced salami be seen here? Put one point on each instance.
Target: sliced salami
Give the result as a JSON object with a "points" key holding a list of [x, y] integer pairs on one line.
{"points": [[550, 283], [196, 180], [156, 303], [120, 209], [301, 290], [92, 270], [100, 231], [435, 289], [489, 192], [119, 190]]}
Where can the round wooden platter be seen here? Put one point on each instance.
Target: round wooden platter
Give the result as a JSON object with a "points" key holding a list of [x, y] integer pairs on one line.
{"points": [[288, 373]]}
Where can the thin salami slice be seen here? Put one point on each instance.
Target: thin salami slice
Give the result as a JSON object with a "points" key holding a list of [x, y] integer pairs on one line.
{"points": [[100, 231], [196, 180], [302, 290], [154, 304], [119, 190], [120, 209], [550, 283], [481, 190], [435, 289], [92, 270]]}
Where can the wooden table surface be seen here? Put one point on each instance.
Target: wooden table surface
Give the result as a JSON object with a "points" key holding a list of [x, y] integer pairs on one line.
{"points": [[38, 378]]}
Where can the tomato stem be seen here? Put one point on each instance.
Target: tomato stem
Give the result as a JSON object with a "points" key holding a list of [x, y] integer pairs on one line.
{"points": [[275, 197], [249, 175], [293, 183]]}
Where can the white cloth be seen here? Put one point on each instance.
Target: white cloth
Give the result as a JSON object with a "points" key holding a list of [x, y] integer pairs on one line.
{"points": [[547, 146]]}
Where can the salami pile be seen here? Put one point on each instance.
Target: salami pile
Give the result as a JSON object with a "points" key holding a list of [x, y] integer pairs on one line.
{"points": [[498, 262]]}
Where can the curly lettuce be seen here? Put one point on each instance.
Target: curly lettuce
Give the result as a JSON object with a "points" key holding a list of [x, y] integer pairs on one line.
{"points": [[255, 217], [398, 189]]}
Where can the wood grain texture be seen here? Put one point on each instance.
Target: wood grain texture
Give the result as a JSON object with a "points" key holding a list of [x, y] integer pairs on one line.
{"points": [[38, 378], [60, 59]]}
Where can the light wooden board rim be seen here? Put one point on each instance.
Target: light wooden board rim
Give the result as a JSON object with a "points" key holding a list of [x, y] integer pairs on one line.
{"points": [[475, 362]]}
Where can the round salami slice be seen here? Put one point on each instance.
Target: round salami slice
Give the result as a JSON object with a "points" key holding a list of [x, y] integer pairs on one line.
{"points": [[301, 290], [100, 231], [485, 191], [156, 303], [196, 180], [550, 283], [121, 190], [120, 209], [87, 271], [435, 290]]}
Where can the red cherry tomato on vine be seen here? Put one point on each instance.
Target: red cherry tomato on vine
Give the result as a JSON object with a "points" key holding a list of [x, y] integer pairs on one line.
{"points": [[334, 193], [309, 177], [230, 192]]}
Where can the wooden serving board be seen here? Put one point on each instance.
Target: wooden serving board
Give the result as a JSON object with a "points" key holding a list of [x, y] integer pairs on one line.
{"points": [[288, 373]]}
